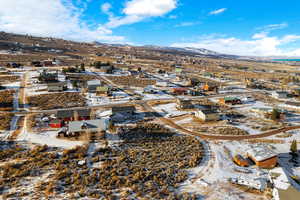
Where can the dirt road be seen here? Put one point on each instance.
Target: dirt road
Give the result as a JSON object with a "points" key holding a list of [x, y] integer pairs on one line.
{"points": [[172, 124]]}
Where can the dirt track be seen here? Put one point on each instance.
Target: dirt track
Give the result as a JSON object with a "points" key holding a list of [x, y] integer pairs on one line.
{"points": [[219, 137]]}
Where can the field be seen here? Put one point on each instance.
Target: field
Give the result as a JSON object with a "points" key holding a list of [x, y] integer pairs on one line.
{"points": [[9, 79], [6, 99], [57, 100], [5, 121], [131, 81], [146, 168]]}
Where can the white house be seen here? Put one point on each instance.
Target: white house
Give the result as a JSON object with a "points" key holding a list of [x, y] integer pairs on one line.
{"points": [[279, 94], [207, 115]]}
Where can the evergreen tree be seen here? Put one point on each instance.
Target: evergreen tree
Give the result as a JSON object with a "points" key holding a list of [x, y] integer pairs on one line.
{"points": [[275, 114], [293, 147], [82, 67]]}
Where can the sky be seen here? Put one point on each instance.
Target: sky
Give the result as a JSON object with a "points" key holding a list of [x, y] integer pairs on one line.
{"points": [[238, 27]]}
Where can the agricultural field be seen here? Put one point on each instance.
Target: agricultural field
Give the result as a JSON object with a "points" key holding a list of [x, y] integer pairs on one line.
{"points": [[57, 100]]}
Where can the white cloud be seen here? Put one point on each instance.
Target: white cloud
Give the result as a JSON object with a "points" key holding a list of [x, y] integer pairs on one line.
{"points": [[218, 11], [259, 45], [185, 24], [173, 17], [272, 27], [106, 7], [138, 10], [53, 18]]}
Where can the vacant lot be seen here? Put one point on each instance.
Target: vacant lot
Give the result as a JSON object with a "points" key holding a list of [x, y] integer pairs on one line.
{"points": [[57, 100], [131, 81], [149, 168], [9, 79], [5, 121], [227, 130], [6, 99]]}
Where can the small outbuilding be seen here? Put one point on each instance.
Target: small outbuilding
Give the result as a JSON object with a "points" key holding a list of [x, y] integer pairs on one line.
{"points": [[57, 87], [230, 100]]}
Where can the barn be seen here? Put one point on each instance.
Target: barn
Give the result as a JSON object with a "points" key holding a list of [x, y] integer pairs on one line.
{"points": [[262, 155]]}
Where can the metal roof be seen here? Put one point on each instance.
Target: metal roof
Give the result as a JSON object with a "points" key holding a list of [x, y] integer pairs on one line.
{"points": [[70, 113], [94, 82], [88, 125], [260, 152]]}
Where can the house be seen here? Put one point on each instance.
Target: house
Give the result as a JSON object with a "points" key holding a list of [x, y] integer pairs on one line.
{"points": [[47, 63], [210, 87], [262, 110], [240, 160], [102, 91], [262, 155], [230, 100], [150, 89], [207, 115], [36, 63], [184, 104], [76, 128], [123, 110], [279, 94], [92, 85], [46, 76], [71, 115], [255, 183], [161, 83], [179, 91], [57, 87]]}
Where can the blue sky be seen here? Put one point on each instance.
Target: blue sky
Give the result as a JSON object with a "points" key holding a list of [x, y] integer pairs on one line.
{"points": [[262, 28]]}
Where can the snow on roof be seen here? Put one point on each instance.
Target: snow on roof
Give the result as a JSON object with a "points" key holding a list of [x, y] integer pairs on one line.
{"points": [[94, 82], [88, 125], [260, 152]]}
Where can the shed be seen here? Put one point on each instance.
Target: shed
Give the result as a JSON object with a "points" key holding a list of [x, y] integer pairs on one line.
{"points": [[102, 91], [57, 87], [55, 124], [240, 160]]}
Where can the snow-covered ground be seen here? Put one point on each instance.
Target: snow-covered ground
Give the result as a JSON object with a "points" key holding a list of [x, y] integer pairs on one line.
{"points": [[170, 110], [48, 138], [159, 95]]}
